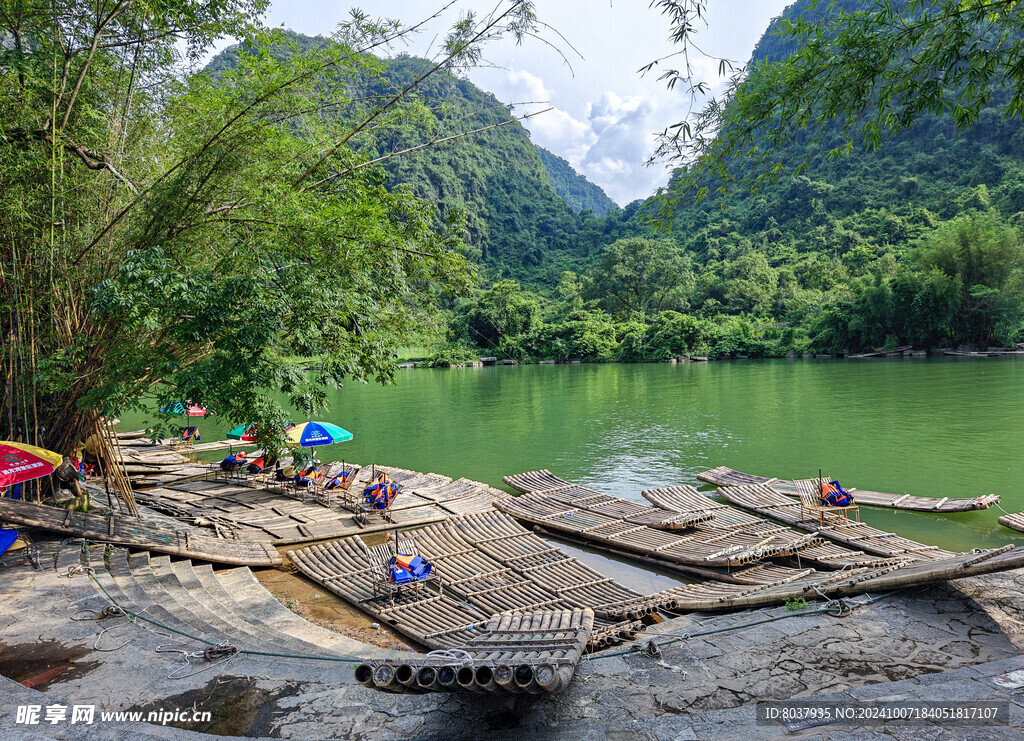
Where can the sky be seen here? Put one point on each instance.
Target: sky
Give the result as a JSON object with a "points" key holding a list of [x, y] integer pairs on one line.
{"points": [[604, 114]]}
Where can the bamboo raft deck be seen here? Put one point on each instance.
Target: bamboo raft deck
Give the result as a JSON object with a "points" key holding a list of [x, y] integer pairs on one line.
{"points": [[130, 531], [711, 596], [765, 501], [545, 482], [1014, 521], [488, 562], [723, 476], [564, 511], [248, 512], [474, 583], [826, 554], [533, 652], [700, 546]]}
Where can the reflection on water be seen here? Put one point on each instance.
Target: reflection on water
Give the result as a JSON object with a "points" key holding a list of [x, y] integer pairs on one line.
{"points": [[643, 579], [935, 427]]}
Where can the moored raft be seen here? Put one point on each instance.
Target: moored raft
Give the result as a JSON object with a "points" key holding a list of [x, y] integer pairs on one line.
{"points": [[824, 554], [482, 583], [767, 502], [1014, 521], [131, 531], [701, 546], [534, 652], [712, 596], [562, 507], [249, 511], [724, 476], [584, 498]]}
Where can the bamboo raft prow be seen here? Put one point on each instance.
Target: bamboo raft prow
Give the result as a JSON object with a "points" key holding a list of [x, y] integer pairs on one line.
{"points": [[535, 653], [724, 476], [1014, 521]]}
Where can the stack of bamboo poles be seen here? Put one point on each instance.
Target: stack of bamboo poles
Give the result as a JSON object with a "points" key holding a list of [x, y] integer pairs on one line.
{"points": [[532, 652], [111, 457]]}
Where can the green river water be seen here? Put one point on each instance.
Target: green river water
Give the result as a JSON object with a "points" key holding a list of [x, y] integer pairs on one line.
{"points": [[933, 427]]}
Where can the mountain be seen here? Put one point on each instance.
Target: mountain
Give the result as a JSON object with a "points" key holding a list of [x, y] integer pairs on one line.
{"points": [[578, 193], [862, 250], [519, 223]]}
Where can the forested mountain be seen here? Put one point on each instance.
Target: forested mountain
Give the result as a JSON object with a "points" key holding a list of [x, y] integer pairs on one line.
{"points": [[913, 242], [524, 220], [579, 193]]}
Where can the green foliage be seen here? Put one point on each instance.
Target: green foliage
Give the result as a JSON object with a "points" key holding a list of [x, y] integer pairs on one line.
{"points": [[636, 276], [451, 353], [795, 604], [190, 235]]}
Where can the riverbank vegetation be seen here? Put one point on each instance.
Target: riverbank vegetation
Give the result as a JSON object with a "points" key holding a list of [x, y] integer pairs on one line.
{"points": [[175, 234]]}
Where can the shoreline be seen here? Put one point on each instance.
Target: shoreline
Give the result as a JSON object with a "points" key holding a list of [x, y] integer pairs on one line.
{"points": [[947, 641]]}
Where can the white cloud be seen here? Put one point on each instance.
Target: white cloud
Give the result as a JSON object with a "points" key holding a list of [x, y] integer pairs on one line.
{"points": [[608, 144]]}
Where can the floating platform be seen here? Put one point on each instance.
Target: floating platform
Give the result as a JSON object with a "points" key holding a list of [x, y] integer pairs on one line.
{"points": [[767, 502], [248, 511], [131, 531], [564, 510], [827, 555], [723, 476], [487, 565], [484, 564]]}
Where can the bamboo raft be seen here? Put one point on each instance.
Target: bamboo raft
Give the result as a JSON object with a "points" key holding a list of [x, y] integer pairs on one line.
{"points": [[712, 596], [533, 652], [244, 510], [545, 482], [723, 476], [474, 584], [131, 531], [765, 501], [1014, 521], [826, 554], [699, 546], [455, 616], [702, 544]]}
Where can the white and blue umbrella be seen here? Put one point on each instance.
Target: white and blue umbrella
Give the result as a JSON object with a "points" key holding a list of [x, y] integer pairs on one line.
{"points": [[311, 434]]}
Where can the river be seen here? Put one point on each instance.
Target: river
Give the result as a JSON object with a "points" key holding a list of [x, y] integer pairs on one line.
{"points": [[931, 427]]}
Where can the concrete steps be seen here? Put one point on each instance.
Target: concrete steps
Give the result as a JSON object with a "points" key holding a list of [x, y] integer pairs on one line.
{"points": [[248, 596], [219, 607]]}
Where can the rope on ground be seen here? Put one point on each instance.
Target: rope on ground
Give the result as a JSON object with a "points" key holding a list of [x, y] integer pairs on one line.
{"points": [[652, 648], [106, 612], [210, 654]]}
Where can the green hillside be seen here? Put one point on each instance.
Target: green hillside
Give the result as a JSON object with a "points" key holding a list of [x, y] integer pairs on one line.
{"points": [[518, 226], [578, 193], [915, 242]]}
